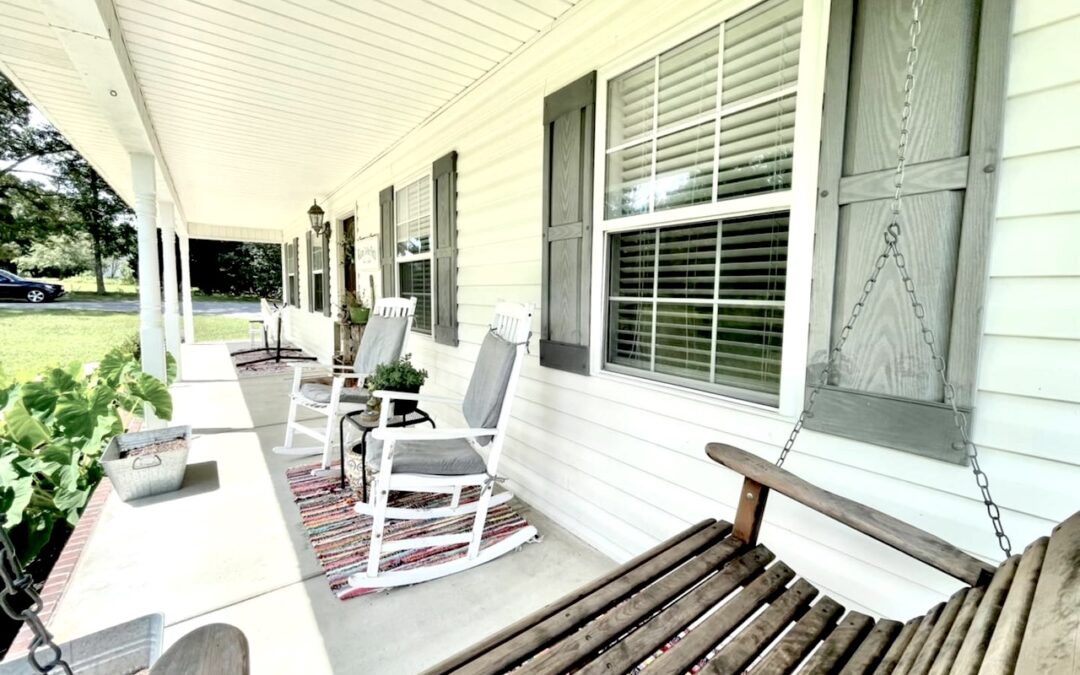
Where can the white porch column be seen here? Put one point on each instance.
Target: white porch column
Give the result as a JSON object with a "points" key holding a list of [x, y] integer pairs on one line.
{"points": [[168, 279], [185, 290], [151, 332]]}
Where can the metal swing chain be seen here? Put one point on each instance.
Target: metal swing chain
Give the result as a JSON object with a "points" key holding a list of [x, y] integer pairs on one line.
{"points": [[17, 582], [892, 249]]}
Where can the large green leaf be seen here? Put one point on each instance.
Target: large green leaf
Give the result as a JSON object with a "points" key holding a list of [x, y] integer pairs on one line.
{"points": [[153, 391], [114, 366], [26, 430], [70, 501], [39, 396], [76, 416], [170, 368], [18, 493], [37, 531]]}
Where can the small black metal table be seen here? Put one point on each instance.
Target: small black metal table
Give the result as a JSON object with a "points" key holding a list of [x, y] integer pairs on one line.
{"points": [[356, 419]]}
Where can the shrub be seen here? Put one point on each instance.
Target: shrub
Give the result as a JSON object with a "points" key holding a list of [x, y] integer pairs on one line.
{"points": [[53, 430]]}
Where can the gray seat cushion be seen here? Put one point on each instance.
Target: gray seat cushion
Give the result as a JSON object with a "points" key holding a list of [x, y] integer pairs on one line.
{"points": [[452, 457], [487, 386], [383, 339], [320, 393]]}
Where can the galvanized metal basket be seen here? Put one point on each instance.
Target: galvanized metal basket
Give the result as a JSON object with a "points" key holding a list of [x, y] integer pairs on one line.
{"points": [[147, 474]]}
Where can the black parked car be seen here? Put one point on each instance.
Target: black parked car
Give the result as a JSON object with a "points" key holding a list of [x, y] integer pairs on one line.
{"points": [[17, 288]]}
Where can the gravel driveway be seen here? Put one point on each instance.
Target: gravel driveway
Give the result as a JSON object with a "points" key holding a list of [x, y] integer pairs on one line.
{"points": [[230, 308]]}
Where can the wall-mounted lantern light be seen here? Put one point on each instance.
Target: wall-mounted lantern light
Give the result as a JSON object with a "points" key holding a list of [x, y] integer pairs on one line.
{"points": [[315, 215]]}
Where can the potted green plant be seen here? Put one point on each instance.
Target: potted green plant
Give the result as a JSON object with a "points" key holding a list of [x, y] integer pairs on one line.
{"points": [[400, 375], [358, 313]]}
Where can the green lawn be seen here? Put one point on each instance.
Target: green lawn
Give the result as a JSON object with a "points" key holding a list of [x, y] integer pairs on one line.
{"points": [[36, 339], [85, 288]]}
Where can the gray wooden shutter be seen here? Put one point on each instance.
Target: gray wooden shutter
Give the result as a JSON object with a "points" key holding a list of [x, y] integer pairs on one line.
{"points": [[310, 277], [885, 389], [387, 241], [295, 291], [444, 261], [569, 118], [326, 274]]}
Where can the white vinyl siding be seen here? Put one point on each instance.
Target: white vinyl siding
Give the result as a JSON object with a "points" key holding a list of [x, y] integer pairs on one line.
{"points": [[412, 225], [620, 462], [688, 133]]}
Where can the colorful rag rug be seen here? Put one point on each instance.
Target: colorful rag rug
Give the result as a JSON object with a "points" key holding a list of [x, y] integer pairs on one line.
{"points": [[340, 536]]}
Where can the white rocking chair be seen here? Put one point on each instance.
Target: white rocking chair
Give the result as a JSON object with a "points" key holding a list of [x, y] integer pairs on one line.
{"points": [[448, 460], [383, 341]]}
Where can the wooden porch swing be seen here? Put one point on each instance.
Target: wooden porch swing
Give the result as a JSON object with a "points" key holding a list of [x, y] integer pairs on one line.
{"points": [[712, 599]]}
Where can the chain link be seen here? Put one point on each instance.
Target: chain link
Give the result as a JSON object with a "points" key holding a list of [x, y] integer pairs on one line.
{"points": [[892, 250], [18, 590]]}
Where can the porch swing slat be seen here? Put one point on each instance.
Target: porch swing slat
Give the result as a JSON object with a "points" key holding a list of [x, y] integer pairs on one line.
{"points": [[951, 647], [790, 650], [978, 635], [918, 639], [841, 641], [1004, 648], [898, 647], [696, 644], [651, 636], [753, 638], [586, 642], [931, 649], [872, 648], [550, 630]]}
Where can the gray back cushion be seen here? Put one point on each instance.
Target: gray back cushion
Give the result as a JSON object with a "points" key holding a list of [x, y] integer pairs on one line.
{"points": [[384, 337], [487, 387]]}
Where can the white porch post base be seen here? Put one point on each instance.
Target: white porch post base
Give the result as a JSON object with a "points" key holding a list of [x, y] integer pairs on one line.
{"points": [[151, 331]]}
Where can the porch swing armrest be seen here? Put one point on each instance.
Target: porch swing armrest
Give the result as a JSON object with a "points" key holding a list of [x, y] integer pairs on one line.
{"points": [[763, 476]]}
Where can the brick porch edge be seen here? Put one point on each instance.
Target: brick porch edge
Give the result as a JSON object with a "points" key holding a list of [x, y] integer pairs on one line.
{"points": [[61, 572]]}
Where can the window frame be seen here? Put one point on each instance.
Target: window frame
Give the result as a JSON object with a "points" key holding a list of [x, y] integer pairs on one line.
{"points": [[799, 201], [429, 255]]}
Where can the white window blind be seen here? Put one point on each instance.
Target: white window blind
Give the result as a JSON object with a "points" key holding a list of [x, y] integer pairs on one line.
{"points": [[412, 216], [708, 120], [701, 304], [412, 223]]}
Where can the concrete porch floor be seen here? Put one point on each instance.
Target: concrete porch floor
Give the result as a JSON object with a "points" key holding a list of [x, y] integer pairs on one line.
{"points": [[229, 547]]}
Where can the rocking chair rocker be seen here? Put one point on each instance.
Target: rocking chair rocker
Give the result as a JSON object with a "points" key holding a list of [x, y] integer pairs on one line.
{"points": [[708, 600]]}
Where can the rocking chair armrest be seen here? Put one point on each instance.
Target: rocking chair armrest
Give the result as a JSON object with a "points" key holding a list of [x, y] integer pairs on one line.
{"points": [[762, 476], [387, 395], [386, 434]]}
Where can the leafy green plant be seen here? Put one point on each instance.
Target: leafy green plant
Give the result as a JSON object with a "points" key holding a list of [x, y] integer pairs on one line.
{"points": [[53, 430], [398, 375]]}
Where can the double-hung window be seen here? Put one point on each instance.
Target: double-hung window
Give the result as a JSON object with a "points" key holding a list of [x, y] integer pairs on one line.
{"points": [[412, 228], [697, 154]]}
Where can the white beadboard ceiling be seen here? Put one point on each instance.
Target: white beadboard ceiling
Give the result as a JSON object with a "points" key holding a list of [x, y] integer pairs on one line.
{"points": [[261, 105]]}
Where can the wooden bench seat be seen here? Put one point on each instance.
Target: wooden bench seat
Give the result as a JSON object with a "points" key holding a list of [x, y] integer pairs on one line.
{"points": [[712, 597]]}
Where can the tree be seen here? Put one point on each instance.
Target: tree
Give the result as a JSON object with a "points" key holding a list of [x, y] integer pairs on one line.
{"points": [[97, 210], [61, 255], [20, 139], [236, 268], [74, 199]]}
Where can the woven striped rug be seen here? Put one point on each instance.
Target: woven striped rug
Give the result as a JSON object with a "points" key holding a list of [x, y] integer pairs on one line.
{"points": [[340, 536]]}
